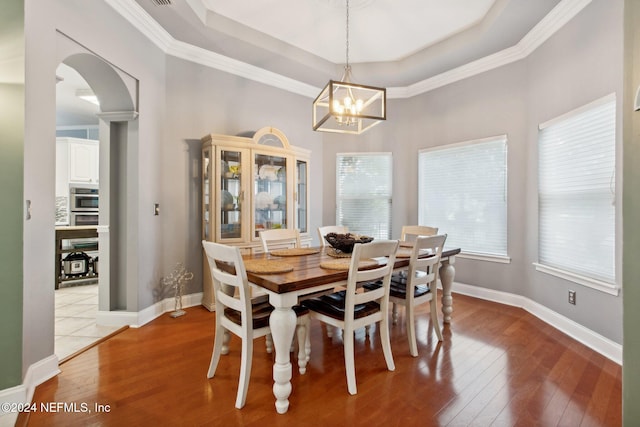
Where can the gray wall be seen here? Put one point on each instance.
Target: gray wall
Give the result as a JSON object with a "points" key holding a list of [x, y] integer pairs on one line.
{"points": [[97, 28], [201, 101], [579, 64]]}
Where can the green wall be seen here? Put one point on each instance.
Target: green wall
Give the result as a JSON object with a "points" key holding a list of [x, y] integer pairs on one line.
{"points": [[11, 183], [631, 220]]}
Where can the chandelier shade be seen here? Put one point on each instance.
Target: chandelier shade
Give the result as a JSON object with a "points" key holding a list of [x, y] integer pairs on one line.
{"points": [[345, 107]]}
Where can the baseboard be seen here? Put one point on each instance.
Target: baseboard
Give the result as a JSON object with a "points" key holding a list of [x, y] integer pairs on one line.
{"points": [[140, 318], [37, 373], [591, 339]]}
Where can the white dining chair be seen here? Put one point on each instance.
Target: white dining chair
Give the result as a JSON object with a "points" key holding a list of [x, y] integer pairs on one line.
{"points": [[350, 310], [410, 232], [419, 286], [280, 238], [323, 231], [246, 318]]}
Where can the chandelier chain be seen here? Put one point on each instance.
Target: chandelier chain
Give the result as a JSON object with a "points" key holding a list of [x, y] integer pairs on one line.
{"points": [[347, 31]]}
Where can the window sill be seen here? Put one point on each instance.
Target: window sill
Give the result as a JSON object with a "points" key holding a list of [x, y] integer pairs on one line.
{"points": [[598, 285], [484, 257]]}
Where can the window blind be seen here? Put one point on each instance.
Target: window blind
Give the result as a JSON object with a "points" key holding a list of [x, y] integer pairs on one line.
{"points": [[463, 191], [363, 193], [576, 192]]}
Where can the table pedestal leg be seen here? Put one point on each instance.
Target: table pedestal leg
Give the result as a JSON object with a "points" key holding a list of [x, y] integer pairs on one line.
{"points": [[283, 324], [447, 272]]}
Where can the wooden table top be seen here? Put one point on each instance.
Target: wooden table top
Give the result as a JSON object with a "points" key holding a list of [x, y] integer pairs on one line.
{"points": [[307, 272]]}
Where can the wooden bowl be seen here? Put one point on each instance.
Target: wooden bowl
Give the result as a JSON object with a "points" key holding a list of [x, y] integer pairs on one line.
{"points": [[345, 242]]}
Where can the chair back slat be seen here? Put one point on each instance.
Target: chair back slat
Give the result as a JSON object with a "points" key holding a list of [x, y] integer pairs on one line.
{"points": [[231, 289], [411, 232], [279, 239], [323, 231], [425, 270], [362, 251]]}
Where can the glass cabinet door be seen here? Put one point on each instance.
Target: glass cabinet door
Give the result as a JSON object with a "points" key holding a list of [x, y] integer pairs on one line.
{"points": [[270, 192], [206, 194], [302, 197], [231, 194]]}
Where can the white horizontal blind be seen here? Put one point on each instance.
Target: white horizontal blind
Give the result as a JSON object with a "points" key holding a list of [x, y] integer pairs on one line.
{"points": [[363, 193], [463, 191], [576, 194]]}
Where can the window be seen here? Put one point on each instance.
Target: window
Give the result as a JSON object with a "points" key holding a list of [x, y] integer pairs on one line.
{"points": [[462, 190], [576, 193], [363, 193]]}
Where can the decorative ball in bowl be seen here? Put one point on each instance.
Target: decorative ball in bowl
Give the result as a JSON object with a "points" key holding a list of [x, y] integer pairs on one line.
{"points": [[346, 242]]}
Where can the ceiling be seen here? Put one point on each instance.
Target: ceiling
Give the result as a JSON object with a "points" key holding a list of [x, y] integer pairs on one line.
{"points": [[393, 43], [408, 46], [70, 109], [380, 30]]}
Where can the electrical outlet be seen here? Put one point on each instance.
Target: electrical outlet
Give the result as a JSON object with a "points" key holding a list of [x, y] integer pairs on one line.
{"points": [[572, 297]]}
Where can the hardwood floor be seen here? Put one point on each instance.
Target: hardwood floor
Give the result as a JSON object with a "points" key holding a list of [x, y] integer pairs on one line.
{"points": [[498, 366]]}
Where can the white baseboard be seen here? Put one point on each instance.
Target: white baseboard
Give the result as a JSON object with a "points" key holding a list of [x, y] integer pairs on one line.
{"points": [[37, 373], [140, 318], [591, 339]]}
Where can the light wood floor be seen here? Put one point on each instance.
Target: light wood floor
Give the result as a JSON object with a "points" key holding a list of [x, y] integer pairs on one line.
{"points": [[498, 366]]}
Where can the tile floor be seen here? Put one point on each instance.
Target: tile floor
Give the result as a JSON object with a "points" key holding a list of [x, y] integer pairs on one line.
{"points": [[75, 316]]}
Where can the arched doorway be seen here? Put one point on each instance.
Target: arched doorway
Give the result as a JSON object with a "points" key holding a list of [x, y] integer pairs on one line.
{"points": [[116, 124]]}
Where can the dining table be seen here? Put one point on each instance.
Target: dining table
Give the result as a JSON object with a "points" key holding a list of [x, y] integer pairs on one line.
{"points": [[289, 276]]}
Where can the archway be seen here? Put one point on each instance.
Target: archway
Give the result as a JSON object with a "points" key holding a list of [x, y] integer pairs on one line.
{"points": [[117, 95]]}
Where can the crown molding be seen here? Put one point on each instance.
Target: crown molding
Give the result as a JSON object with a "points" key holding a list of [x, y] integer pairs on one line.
{"points": [[549, 25], [143, 22], [210, 59]]}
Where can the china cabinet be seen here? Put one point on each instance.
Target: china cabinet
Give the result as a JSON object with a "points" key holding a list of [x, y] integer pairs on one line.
{"points": [[249, 184]]}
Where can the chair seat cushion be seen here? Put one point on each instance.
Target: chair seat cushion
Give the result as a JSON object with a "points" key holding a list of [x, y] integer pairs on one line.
{"points": [[372, 286], [261, 311], [333, 306], [400, 291], [398, 287]]}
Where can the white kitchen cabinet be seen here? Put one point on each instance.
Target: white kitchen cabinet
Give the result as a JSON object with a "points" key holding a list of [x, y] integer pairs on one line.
{"points": [[251, 184], [83, 162], [77, 162]]}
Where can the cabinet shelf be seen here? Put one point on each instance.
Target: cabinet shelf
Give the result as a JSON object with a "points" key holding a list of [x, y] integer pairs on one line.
{"points": [[92, 248]]}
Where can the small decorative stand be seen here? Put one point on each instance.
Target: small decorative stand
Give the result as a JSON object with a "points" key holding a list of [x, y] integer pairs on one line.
{"points": [[177, 280]]}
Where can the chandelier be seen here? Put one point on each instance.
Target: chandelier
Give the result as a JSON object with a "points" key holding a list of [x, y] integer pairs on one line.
{"points": [[345, 107]]}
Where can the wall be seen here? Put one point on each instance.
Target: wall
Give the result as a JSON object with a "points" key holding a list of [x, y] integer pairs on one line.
{"points": [[11, 157], [580, 63], [201, 101], [631, 271], [96, 27]]}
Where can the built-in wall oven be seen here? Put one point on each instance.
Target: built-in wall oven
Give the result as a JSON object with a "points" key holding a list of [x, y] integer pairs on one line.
{"points": [[84, 203], [84, 218]]}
